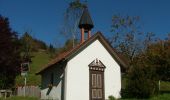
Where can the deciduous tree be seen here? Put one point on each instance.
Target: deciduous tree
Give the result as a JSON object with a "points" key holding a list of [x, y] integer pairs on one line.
{"points": [[71, 20], [9, 54]]}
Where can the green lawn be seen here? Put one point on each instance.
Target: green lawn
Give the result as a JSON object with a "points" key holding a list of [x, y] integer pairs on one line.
{"points": [[165, 96], [20, 98], [39, 59], [165, 86]]}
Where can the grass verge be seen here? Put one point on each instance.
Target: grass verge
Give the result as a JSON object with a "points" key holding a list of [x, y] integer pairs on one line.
{"points": [[20, 98]]}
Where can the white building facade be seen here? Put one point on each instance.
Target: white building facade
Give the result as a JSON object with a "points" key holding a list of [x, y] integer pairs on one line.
{"points": [[90, 71]]}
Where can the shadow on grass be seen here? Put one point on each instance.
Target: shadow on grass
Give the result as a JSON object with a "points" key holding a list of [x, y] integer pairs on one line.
{"points": [[163, 92]]}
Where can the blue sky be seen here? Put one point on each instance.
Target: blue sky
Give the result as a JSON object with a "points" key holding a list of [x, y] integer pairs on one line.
{"points": [[44, 18]]}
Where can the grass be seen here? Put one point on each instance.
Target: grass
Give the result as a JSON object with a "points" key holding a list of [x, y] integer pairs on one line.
{"points": [[159, 97], [39, 59], [165, 96], [165, 86], [20, 98]]}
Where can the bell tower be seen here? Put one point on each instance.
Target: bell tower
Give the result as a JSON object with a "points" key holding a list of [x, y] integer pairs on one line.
{"points": [[85, 24]]}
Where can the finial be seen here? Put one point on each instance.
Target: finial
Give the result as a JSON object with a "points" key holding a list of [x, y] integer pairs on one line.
{"points": [[97, 61], [85, 4]]}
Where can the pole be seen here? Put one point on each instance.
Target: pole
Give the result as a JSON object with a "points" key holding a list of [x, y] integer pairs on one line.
{"points": [[25, 83], [159, 85]]}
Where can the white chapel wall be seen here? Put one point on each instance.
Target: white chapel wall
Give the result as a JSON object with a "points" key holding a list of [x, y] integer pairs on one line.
{"points": [[77, 75], [56, 92]]}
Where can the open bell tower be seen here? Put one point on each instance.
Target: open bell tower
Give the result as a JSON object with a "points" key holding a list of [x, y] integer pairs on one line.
{"points": [[85, 24]]}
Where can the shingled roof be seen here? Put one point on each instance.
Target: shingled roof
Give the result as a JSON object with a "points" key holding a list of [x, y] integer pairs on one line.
{"points": [[71, 53]]}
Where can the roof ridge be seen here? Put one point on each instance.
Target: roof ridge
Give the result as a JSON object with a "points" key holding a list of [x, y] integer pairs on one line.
{"points": [[67, 54]]}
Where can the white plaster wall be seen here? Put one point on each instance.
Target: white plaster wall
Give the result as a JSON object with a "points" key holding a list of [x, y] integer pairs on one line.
{"points": [[77, 75], [54, 94], [56, 91]]}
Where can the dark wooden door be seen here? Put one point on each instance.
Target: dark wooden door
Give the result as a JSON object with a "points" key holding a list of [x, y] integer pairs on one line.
{"points": [[97, 81]]}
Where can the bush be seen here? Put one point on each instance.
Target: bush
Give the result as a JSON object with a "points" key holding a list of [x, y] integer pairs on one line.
{"points": [[112, 98], [141, 83]]}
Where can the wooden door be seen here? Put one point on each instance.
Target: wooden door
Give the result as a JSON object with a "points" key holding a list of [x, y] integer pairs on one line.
{"points": [[96, 80], [97, 85]]}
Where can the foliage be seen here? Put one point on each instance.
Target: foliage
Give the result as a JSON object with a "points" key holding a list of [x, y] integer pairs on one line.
{"points": [[71, 19], [10, 54], [67, 46], [39, 59], [51, 51], [141, 83], [158, 55], [31, 44], [112, 98], [126, 37], [149, 58]]}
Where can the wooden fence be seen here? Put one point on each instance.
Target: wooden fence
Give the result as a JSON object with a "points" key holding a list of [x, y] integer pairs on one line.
{"points": [[33, 91]]}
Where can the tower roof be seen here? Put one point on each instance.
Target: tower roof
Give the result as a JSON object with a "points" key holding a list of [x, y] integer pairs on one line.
{"points": [[85, 20]]}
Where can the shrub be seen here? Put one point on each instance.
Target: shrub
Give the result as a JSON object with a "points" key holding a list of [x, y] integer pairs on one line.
{"points": [[141, 83], [112, 98]]}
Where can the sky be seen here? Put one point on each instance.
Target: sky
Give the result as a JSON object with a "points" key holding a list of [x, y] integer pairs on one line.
{"points": [[44, 18]]}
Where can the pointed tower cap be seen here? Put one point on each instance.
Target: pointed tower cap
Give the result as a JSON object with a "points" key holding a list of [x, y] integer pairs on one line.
{"points": [[85, 20]]}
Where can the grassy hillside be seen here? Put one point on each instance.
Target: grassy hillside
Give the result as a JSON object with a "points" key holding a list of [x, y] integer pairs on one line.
{"points": [[39, 59]]}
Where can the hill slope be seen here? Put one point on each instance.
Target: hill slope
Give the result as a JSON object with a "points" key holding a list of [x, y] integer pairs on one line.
{"points": [[39, 59]]}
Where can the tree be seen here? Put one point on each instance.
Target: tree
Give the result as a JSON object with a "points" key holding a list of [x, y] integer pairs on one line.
{"points": [[67, 46], [51, 51], [158, 55], [71, 20], [31, 44], [133, 44], [27, 46], [10, 54], [142, 82], [127, 37]]}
